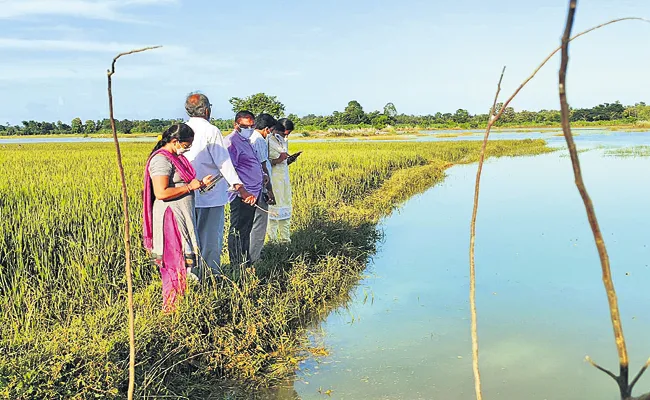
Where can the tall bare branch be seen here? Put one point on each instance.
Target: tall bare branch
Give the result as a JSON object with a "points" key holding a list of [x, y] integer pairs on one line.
{"points": [[623, 378], [127, 233], [493, 118], [472, 269]]}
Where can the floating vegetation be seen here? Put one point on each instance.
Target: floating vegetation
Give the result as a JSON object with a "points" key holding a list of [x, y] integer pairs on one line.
{"points": [[634, 151]]}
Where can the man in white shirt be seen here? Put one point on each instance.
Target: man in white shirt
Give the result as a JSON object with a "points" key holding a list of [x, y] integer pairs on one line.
{"points": [[263, 125], [208, 155]]}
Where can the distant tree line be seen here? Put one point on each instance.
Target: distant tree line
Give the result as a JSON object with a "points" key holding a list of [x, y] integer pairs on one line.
{"points": [[77, 127], [352, 117]]}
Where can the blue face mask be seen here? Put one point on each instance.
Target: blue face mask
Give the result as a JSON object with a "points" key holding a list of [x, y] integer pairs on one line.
{"points": [[246, 133]]}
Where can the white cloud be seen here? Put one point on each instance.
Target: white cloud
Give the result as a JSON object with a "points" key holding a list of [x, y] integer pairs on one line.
{"points": [[92, 9], [166, 55], [61, 28], [74, 45], [88, 60]]}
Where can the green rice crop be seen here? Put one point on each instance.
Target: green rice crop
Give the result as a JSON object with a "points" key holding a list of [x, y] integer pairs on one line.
{"points": [[62, 287]]}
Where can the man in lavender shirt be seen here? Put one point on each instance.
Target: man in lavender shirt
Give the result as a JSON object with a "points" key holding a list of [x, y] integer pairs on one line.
{"points": [[249, 169]]}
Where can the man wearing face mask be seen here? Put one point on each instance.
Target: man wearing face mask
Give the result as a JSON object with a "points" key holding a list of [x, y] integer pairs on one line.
{"points": [[264, 123], [249, 169], [209, 156]]}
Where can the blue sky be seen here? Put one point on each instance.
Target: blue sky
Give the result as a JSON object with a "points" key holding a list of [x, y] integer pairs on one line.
{"points": [[424, 56]]}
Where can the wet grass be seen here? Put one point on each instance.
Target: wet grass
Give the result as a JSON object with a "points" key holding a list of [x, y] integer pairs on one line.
{"points": [[454, 135], [62, 290], [635, 151]]}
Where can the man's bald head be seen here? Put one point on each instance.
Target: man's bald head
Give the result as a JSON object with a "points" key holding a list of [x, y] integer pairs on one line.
{"points": [[198, 105]]}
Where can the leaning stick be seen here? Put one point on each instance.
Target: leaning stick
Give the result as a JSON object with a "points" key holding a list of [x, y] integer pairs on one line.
{"points": [[623, 378], [491, 121], [127, 234]]}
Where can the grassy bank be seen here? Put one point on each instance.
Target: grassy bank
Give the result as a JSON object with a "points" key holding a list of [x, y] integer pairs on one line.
{"points": [[63, 318], [363, 131]]}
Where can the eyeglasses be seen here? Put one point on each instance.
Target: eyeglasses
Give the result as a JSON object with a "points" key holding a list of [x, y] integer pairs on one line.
{"points": [[185, 146]]}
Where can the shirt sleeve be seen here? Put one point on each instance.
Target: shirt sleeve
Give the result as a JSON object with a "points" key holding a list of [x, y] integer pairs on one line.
{"points": [[261, 150], [160, 166], [221, 158]]}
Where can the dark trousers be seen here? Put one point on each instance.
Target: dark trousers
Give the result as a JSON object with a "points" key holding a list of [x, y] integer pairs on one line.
{"points": [[239, 234]]}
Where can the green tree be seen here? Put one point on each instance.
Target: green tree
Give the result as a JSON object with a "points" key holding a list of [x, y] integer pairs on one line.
{"points": [[390, 111], [76, 126], [508, 115], [498, 108], [124, 126], [105, 125], [643, 112], [380, 121], [461, 116], [62, 128], [142, 127], [354, 114], [89, 126], [257, 104], [30, 128], [47, 128]]}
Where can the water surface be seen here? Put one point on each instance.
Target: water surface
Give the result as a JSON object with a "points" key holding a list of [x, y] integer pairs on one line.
{"points": [[541, 303]]}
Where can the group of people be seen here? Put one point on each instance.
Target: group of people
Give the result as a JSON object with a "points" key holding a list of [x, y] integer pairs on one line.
{"points": [[193, 172]]}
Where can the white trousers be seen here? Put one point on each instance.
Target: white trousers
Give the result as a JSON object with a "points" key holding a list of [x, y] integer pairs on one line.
{"points": [[279, 230]]}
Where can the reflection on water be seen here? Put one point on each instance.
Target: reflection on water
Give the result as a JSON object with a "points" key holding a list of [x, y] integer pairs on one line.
{"points": [[542, 307]]}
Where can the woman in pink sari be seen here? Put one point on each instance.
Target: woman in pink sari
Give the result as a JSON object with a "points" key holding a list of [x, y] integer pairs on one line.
{"points": [[169, 223]]}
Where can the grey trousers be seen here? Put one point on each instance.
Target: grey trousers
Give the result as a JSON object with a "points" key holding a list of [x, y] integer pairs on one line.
{"points": [[258, 233], [210, 224]]}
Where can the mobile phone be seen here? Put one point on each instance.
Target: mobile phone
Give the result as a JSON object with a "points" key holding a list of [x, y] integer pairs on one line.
{"points": [[209, 187]]}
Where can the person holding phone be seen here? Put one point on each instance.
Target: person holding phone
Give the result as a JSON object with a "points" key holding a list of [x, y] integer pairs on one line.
{"points": [[209, 155], [279, 226], [288, 128], [169, 222]]}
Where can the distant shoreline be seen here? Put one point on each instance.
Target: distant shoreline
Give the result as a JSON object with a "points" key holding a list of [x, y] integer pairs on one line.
{"points": [[396, 132]]}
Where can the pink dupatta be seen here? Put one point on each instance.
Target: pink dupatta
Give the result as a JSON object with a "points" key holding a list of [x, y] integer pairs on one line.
{"points": [[172, 266]]}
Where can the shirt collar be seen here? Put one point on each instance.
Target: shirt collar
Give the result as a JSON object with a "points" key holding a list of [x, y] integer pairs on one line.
{"points": [[199, 119]]}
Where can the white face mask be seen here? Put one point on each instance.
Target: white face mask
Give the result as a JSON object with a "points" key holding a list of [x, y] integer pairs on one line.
{"points": [[181, 150], [246, 133]]}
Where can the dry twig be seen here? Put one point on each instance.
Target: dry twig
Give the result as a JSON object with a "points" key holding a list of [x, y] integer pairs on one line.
{"points": [[492, 120], [472, 269], [623, 378], [127, 234]]}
